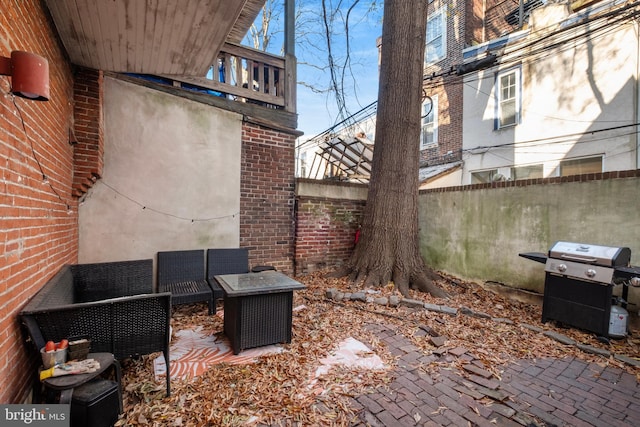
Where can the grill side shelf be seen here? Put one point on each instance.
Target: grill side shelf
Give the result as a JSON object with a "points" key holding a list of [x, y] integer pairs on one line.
{"points": [[535, 256], [627, 272]]}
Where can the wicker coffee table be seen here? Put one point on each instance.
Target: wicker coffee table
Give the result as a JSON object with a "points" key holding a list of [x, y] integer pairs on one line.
{"points": [[257, 308]]}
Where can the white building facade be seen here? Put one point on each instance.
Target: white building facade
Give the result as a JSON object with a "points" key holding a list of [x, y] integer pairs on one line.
{"points": [[561, 98]]}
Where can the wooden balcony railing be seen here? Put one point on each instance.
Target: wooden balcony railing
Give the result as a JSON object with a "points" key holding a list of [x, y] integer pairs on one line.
{"points": [[248, 75]]}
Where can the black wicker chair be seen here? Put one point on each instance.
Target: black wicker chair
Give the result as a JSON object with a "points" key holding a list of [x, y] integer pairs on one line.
{"points": [[183, 274], [112, 304], [225, 261]]}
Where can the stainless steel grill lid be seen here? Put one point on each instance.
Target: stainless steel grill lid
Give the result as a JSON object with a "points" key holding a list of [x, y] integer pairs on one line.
{"points": [[591, 254]]}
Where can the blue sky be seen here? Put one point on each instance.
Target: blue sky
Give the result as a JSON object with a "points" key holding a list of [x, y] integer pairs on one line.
{"points": [[318, 111]]}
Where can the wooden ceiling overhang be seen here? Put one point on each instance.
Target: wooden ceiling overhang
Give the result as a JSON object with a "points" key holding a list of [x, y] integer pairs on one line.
{"points": [[173, 37]]}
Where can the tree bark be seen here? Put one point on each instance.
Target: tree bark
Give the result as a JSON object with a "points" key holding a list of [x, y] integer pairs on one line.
{"points": [[388, 248]]}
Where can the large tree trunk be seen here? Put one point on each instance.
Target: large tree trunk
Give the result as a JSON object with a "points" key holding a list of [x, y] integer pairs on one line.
{"points": [[388, 247]]}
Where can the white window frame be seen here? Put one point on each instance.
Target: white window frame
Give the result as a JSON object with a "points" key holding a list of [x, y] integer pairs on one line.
{"points": [[429, 120], [432, 36], [515, 97]]}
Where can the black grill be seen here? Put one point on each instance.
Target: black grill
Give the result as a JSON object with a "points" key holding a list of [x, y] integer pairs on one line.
{"points": [[579, 279]]}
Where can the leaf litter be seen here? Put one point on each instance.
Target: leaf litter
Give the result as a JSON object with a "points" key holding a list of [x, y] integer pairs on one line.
{"points": [[280, 389]]}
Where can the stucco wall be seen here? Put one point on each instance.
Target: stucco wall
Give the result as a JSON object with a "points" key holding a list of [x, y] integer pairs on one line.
{"points": [[171, 177], [478, 233]]}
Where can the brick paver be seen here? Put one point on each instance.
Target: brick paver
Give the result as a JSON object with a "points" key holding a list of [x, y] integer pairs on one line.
{"points": [[543, 392]]}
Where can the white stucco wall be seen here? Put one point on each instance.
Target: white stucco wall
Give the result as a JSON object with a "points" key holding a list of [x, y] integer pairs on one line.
{"points": [[171, 177], [568, 91], [477, 234]]}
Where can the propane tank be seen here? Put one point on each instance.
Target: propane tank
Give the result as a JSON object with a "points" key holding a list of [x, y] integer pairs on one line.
{"points": [[618, 321]]}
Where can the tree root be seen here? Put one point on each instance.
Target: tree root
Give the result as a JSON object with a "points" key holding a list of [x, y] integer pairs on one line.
{"points": [[424, 283], [422, 280]]}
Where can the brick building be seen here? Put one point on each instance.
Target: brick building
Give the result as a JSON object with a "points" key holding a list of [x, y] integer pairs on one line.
{"points": [[451, 28], [61, 201]]}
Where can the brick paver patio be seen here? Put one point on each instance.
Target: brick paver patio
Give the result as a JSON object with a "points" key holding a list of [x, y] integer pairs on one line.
{"points": [[540, 392]]}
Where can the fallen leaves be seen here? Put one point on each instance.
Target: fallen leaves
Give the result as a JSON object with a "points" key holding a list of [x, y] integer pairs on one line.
{"points": [[278, 389]]}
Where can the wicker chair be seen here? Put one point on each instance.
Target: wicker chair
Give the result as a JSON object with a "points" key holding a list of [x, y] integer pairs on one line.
{"points": [[183, 274], [225, 261], [112, 304]]}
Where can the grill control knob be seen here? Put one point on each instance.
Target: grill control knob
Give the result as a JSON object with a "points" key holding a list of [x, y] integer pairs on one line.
{"points": [[562, 268], [635, 282], [590, 273]]}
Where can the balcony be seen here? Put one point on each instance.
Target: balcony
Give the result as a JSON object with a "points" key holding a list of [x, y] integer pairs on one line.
{"points": [[191, 44], [247, 75]]}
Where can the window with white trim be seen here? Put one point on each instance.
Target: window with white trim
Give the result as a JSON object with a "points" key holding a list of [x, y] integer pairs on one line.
{"points": [[429, 123], [436, 49], [508, 94]]}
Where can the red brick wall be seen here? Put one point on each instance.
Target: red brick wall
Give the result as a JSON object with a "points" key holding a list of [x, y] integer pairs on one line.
{"points": [[325, 232], [495, 24], [38, 217], [267, 196], [448, 87], [474, 20], [449, 94], [88, 130]]}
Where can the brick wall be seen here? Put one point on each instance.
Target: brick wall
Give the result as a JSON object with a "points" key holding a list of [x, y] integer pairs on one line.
{"points": [[38, 216], [444, 84], [328, 215], [87, 129], [267, 196], [325, 233], [474, 20], [495, 24], [469, 22]]}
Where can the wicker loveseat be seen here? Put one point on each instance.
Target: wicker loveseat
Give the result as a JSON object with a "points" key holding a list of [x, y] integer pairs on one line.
{"points": [[111, 303]]}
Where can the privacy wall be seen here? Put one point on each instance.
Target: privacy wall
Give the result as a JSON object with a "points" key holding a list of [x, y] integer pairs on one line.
{"points": [[476, 232], [328, 216], [171, 177]]}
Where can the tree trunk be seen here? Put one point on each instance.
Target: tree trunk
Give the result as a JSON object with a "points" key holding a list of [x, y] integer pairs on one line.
{"points": [[388, 248]]}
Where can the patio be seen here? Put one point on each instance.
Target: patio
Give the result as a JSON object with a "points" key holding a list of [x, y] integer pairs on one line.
{"points": [[487, 362]]}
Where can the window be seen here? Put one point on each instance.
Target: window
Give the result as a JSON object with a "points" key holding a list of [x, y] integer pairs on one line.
{"points": [[580, 166], [429, 132], [484, 177], [436, 49], [508, 98], [527, 172]]}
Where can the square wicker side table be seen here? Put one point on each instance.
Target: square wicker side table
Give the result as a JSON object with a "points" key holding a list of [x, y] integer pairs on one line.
{"points": [[257, 308]]}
